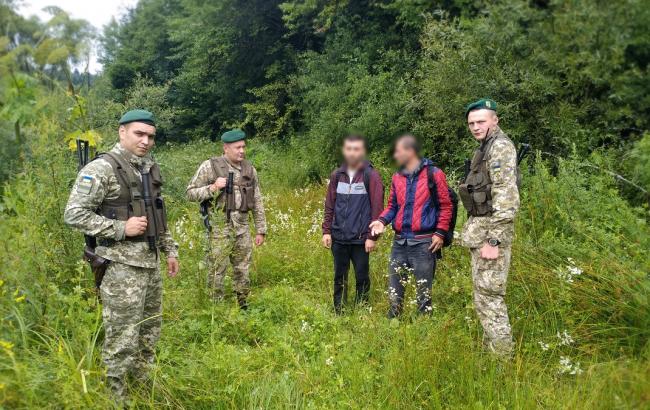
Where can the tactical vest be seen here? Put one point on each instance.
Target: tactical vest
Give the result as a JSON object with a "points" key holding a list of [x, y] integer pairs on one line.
{"points": [[245, 185], [476, 191], [130, 202]]}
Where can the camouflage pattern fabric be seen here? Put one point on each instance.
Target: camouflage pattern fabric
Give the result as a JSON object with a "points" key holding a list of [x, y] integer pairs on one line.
{"points": [[131, 291], [231, 241], [490, 276], [97, 182], [132, 314], [231, 244]]}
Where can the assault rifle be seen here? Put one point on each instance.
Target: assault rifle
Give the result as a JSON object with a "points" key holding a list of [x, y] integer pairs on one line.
{"points": [[230, 194], [522, 152], [152, 224], [97, 264]]}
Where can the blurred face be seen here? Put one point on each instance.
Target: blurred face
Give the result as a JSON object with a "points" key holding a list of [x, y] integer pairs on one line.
{"points": [[480, 121], [137, 137], [354, 152], [235, 151], [404, 154]]}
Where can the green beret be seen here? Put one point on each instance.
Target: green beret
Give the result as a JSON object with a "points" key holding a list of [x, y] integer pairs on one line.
{"points": [[138, 116], [233, 136], [483, 103]]}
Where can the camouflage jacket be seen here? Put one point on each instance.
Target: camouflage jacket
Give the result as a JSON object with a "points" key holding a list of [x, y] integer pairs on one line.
{"points": [[502, 166], [95, 183], [199, 190]]}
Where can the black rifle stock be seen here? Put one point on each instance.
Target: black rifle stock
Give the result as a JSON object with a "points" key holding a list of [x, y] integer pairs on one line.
{"points": [[97, 264]]}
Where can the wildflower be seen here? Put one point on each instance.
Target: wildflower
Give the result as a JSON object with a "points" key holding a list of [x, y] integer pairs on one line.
{"points": [[567, 367], [565, 338], [543, 346], [329, 361], [305, 327], [569, 272], [18, 297]]}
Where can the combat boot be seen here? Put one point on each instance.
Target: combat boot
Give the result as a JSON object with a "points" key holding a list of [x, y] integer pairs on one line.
{"points": [[241, 300]]}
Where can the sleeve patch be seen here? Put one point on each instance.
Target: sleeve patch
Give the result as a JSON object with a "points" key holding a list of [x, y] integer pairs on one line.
{"points": [[85, 185]]}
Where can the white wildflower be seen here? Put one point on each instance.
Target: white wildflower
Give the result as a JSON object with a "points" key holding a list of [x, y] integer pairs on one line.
{"points": [[565, 338], [329, 361], [543, 346], [305, 327], [568, 367]]}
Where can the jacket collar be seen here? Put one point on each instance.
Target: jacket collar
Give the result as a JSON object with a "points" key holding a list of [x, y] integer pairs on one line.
{"points": [[365, 164], [138, 162], [424, 162], [492, 134]]}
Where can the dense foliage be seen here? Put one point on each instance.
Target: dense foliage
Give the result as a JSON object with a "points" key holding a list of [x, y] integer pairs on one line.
{"points": [[567, 74], [571, 77]]}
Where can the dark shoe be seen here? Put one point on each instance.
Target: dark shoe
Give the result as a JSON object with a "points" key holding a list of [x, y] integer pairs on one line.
{"points": [[393, 313], [241, 300]]}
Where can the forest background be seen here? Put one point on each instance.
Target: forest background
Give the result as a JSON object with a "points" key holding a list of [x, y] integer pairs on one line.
{"points": [[571, 79]]}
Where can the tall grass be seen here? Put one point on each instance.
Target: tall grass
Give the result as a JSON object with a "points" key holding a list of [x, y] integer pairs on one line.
{"points": [[578, 299]]}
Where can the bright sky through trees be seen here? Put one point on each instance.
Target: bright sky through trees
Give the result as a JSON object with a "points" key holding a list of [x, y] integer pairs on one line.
{"points": [[98, 13]]}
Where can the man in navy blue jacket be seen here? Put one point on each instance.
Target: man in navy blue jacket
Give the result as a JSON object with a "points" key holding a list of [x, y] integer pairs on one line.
{"points": [[355, 197]]}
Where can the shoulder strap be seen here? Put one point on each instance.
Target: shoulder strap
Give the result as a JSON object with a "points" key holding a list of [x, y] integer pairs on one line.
{"points": [[123, 172], [219, 167], [247, 170], [431, 183], [366, 182]]}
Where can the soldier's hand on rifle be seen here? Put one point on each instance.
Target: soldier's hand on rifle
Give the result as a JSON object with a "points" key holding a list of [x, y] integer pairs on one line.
{"points": [[220, 183], [327, 240], [377, 228], [135, 226], [172, 267]]}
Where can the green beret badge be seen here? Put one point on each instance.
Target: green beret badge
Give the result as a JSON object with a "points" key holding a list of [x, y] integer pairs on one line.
{"points": [[483, 103]]}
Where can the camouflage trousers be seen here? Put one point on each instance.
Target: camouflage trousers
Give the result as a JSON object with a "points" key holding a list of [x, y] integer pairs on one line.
{"points": [[132, 314], [231, 245], [489, 278]]}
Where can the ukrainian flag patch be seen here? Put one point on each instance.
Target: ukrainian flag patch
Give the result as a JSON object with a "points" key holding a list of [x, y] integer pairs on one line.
{"points": [[85, 185]]}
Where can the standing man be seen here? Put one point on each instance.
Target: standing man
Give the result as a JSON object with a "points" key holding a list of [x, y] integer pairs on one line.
{"points": [[231, 186], [491, 196], [420, 209], [355, 197], [107, 202]]}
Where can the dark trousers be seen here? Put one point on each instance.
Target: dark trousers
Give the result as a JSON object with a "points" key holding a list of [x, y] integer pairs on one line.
{"points": [[414, 260], [343, 254]]}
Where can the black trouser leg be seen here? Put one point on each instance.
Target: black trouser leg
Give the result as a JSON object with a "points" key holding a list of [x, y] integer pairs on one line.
{"points": [[342, 256], [361, 262]]}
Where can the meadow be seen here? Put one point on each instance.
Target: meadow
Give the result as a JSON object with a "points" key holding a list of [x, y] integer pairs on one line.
{"points": [[578, 300]]}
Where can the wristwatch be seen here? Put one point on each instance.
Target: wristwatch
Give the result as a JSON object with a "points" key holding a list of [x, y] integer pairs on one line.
{"points": [[494, 242]]}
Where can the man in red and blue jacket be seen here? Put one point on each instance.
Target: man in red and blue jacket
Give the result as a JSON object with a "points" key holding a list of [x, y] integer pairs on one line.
{"points": [[420, 211], [355, 197]]}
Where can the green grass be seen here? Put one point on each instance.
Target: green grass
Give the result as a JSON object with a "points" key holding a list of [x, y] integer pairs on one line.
{"points": [[291, 351]]}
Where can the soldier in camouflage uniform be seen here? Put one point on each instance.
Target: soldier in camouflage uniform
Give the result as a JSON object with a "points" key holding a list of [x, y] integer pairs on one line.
{"points": [[230, 236], [490, 194], [131, 291]]}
